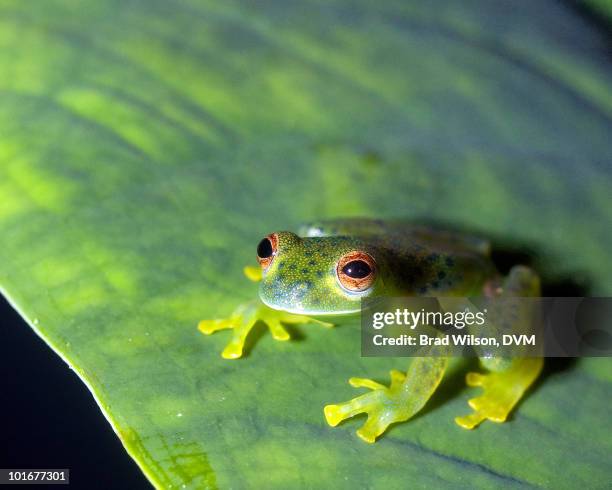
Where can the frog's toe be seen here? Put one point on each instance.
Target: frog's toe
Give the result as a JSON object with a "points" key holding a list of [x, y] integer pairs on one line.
{"points": [[365, 383], [253, 273], [277, 330], [208, 327], [470, 421], [233, 350], [397, 378], [376, 425], [242, 327], [334, 414], [475, 379]]}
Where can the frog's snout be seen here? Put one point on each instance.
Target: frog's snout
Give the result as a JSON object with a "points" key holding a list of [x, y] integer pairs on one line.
{"points": [[296, 296]]}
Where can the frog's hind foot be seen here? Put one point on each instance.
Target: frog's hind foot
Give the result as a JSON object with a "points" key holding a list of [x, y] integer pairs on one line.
{"points": [[244, 319], [383, 405], [502, 391], [404, 397], [509, 379]]}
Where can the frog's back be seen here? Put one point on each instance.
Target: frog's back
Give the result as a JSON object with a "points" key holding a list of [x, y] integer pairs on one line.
{"points": [[404, 233]]}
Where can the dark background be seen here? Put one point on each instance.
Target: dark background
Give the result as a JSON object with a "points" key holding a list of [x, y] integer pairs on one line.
{"points": [[50, 420]]}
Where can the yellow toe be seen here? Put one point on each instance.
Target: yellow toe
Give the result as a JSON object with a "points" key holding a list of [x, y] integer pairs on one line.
{"points": [[365, 383], [470, 421], [332, 415], [232, 351], [253, 273], [366, 436], [474, 379]]}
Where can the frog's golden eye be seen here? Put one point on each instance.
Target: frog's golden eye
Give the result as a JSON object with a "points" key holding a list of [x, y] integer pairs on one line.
{"points": [[266, 250], [356, 271]]}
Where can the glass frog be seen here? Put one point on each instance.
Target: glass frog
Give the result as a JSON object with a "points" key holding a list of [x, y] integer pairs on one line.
{"points": [[329, 266]]}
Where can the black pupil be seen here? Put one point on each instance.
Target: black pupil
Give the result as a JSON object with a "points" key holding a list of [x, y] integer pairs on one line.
{"points": [[264, 249], [357, 269]]}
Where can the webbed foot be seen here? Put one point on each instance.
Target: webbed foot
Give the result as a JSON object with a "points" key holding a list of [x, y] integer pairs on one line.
{"points": [[502, 391], [244, 319], [247, 315], [384, 405], [404, 397]]}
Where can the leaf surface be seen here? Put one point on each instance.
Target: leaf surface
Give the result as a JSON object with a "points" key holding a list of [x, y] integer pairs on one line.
{"points": [[147, 146]]}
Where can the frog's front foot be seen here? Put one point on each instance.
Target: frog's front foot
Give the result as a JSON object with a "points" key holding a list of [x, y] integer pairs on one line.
{"points": [[502, 391], [383, 405], [244, 319]]}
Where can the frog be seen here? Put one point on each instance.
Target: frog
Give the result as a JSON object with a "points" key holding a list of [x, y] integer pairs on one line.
{"points": [[325, 270]]}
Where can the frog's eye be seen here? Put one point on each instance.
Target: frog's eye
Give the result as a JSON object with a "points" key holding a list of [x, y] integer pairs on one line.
{"points": [[356, 271], [266, 250]]}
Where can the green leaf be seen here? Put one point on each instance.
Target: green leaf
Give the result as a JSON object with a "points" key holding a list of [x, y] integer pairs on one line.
{"points": [[147, 146]]}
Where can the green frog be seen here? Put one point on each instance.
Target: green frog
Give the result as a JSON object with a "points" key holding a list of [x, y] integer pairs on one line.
{"points": [[326, 269]]}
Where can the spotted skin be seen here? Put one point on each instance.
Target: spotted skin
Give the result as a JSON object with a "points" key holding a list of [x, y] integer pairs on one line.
{"points": [[302, 278]]}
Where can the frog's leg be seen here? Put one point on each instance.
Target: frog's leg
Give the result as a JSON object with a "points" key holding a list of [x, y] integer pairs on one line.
{"points": [[384, 405], [244, 318], [508, 380]]}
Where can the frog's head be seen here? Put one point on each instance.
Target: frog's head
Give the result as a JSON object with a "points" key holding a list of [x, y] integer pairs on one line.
{"points": [[317, 275]]}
